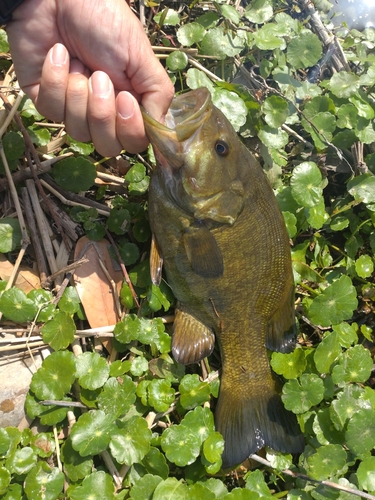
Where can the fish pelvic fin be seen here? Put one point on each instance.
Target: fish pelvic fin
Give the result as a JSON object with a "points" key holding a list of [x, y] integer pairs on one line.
{"points": [[156, 262], [249, 422], [281, 329], [191, 340]]}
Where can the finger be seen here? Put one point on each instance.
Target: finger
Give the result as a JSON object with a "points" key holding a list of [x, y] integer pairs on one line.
{"points": [[77, 92], [129, 124], [101, 114], [50, 101]]}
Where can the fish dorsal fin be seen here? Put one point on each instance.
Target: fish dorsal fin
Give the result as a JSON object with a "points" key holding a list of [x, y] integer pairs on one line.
{"points": [[192, 340], [203, 252], [281, 329], [156, 262]]}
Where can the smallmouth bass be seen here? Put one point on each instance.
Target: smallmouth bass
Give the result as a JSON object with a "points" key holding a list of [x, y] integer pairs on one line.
{"points": [[225, 250]]}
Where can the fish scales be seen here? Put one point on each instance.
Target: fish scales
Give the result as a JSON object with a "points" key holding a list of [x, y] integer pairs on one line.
{"points": [[226, 256]]}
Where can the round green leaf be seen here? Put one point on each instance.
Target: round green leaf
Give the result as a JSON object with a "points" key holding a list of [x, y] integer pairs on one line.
{"points": [[139, 366], [216, 42], [130, 442], [304, 50], [290, 223], [16, 306], [74, 174], [4, 441], [141, 230], [290, 365], [92, 370], [5, 478], [155, 463], [59, 332], [335, 304], [306, 184], [191, 33], [92, 432], [44, 483], [55, 377], [199, 492], [344, 84], [200, 421], [43, 300], [259, 11], [231, 105], [360, 433], [117, 398], [75, 466], [273, 137], [364, 266], [193, 391], [300, 396], [96, 486], [213, 447], [160, 394], [136, 173], [355, 365], [177, 61], [327, 352], [229, 12], [196, 78], [275, 110], [167, 17], [10, 234], [328, 461], [171, 489], [22, 460], [70, 301], [144, 487], [325, 430], [270, 37], [129, 253], [366, 474], [127, 330], [180, 445], [13, 145], [362, 188]]}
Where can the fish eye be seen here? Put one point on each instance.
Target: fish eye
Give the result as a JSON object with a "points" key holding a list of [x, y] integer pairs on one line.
{"points": [[221, 148]]}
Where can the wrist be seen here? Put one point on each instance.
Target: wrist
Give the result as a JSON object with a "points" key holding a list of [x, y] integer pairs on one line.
{"points": [[6, 9]]}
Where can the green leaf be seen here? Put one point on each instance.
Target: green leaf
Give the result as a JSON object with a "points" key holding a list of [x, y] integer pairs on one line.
{"points": [[290, 223], [364, 266], [96, 486], [43, 300], [127, 330], [75, 466], [155, 463], [213, 447], [335, 304], [327, 352], [325, 430], [43, 444], [360, 433], [362, 188], [355, 365], [5, 478], [259, 11], [196, 78], [142, 231], [290, 365], [177, 61], [275, 110], [74, 174], [269, 37], [92, 432], [328, 461], [347, 334], [59, 332], [201, 422], [130, 442], [343, 84], [304, 50], [129, 253], [180, 445], [255, 482], [82, 148], [160, 394], [300, 396], [10, 234], [92, 370], [167, 17], [366, 474], [216, 42], [273, 137], [193, 391], [4, 441], [171, 489], [145, 487], [139, 366], [4, 45], [117, 397], [55, 377], [44, 483], [118, 220], [307, 184], [15, 305], [70, 301], [232, 106], [229, 12], [21, 461], [191, 33]]}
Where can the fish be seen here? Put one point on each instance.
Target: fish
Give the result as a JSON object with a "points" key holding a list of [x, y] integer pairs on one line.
{"points": [[221, 239]]}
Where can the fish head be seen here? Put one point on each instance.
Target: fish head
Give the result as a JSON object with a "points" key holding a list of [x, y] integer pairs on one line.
{"points": [[198, 156]]}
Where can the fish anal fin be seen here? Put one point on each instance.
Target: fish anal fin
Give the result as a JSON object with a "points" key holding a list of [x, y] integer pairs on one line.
{"points": [[156, 262], [191, 340], [281, 329], [203, 252], [249, 422]]}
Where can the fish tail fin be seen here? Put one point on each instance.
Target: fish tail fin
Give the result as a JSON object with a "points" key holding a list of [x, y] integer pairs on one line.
{"points": [[250, 421]]}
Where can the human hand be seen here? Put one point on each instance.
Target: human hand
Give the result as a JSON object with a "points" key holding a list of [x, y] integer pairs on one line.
{"points": [[89, 63]]}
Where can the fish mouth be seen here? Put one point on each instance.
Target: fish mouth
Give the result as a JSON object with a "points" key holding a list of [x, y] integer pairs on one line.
{"points": [[185, 116]]}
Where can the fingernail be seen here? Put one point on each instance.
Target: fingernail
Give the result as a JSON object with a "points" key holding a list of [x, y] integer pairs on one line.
{"points": [[125, 105], [59, 54], [100, 84]]}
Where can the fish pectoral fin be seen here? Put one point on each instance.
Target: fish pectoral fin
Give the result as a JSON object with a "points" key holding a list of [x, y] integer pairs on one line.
{"points": [[203, 252], [281, 329], [156, 262], [192, 340]]}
